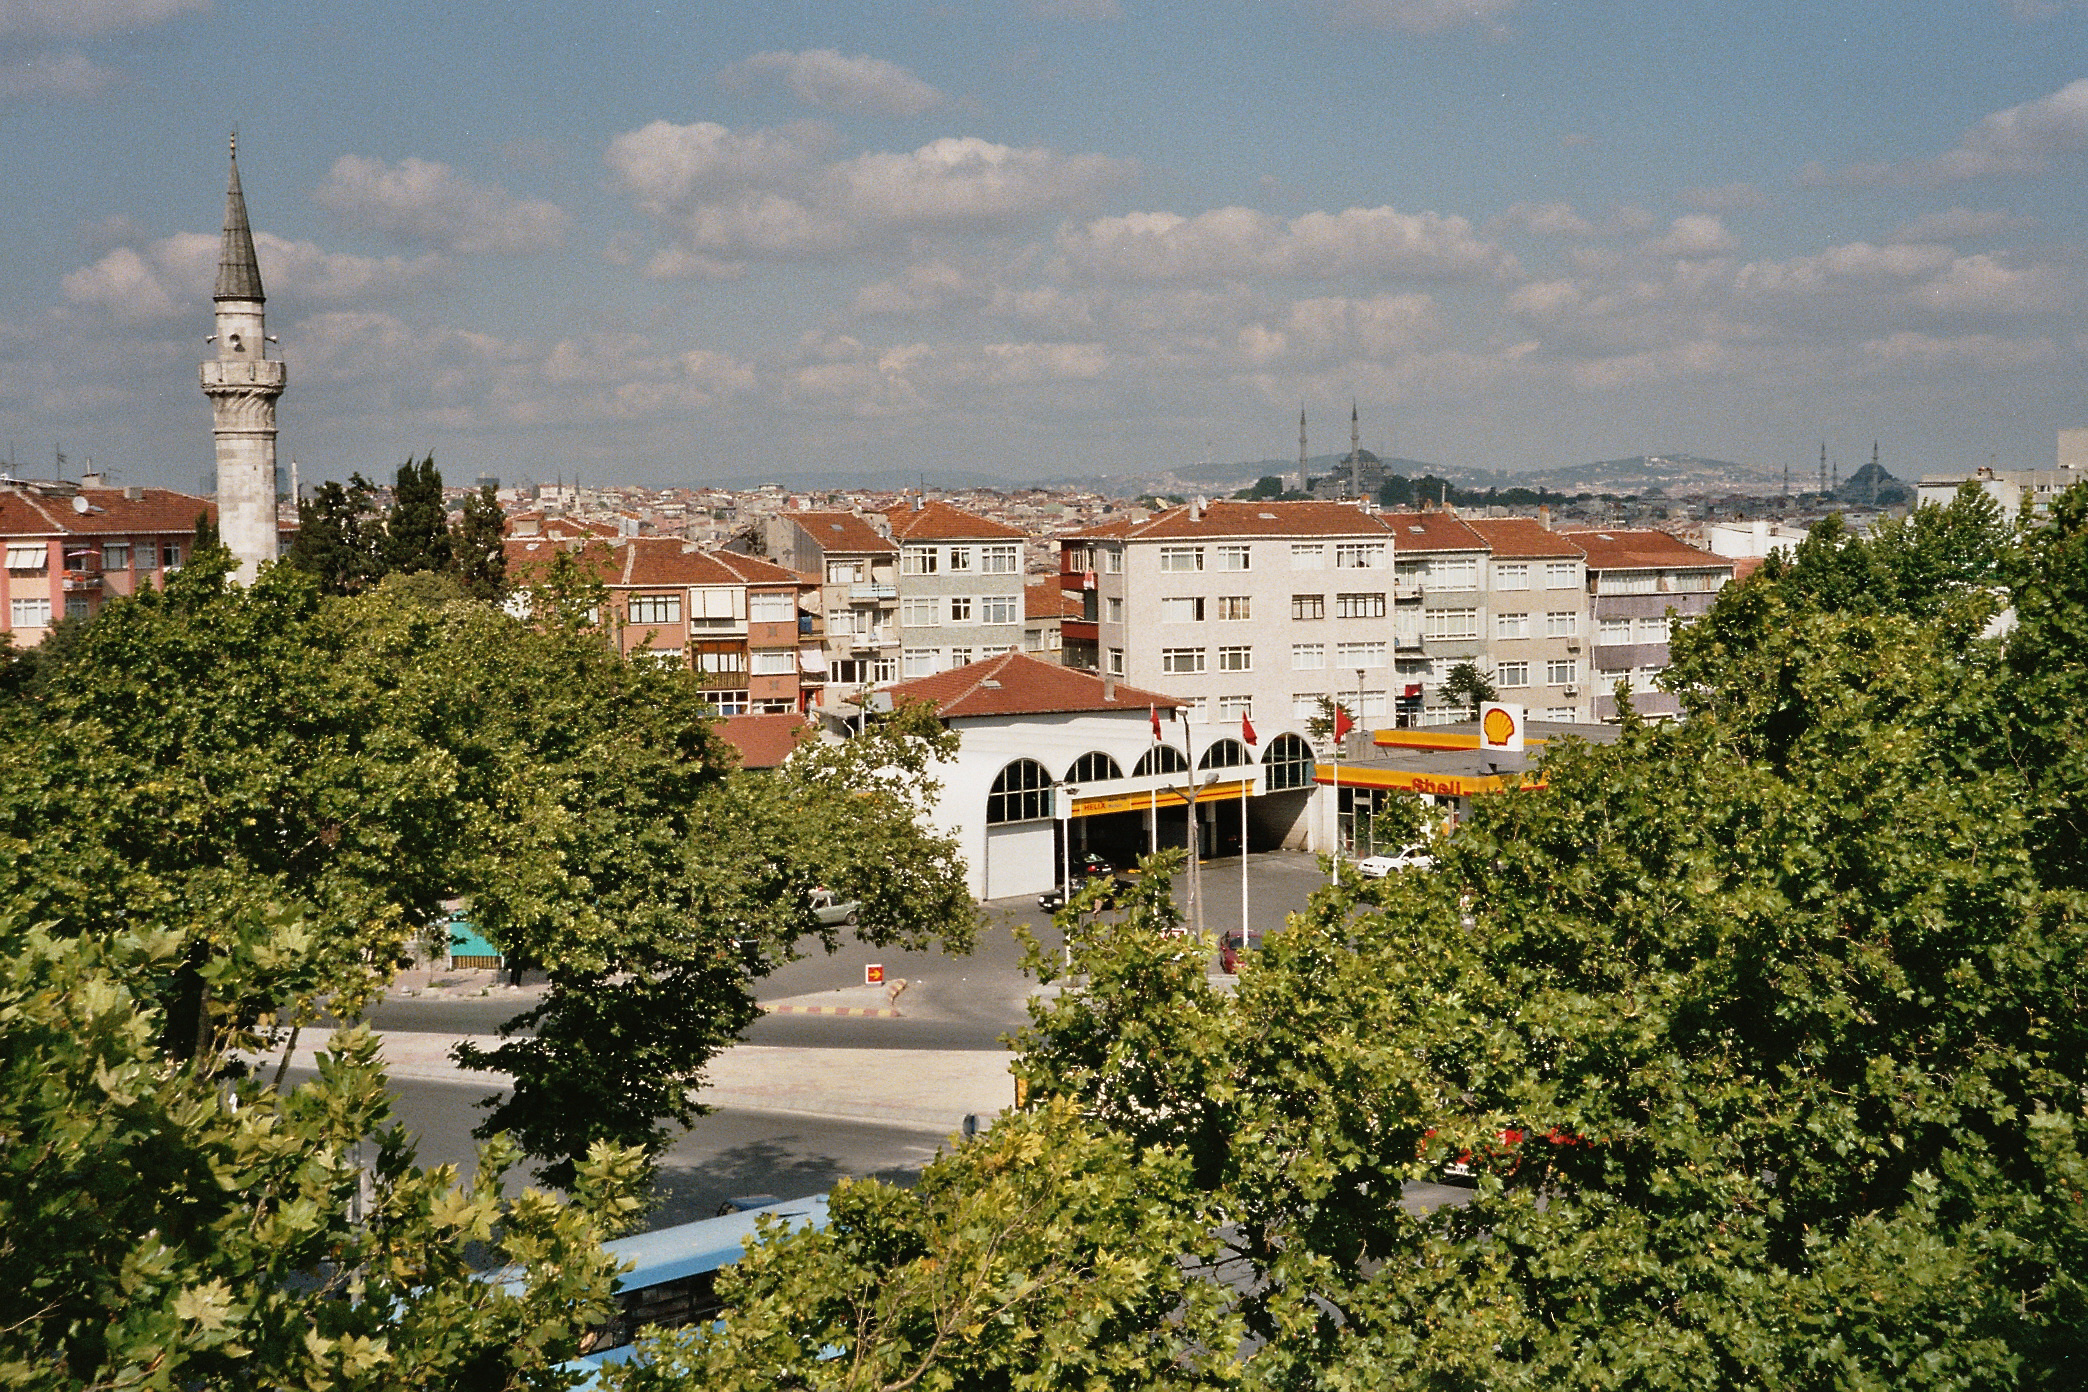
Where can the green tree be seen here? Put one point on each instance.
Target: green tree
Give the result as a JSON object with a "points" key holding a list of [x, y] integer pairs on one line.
{"points": [[476, 544], [1468, 684], [1265, 487], [339, 537], [416, 530], [206, 538]]}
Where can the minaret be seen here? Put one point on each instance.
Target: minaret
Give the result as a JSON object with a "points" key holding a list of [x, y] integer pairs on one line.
{"points": [[1823, 466], [1301, 447], [243, 384], [1355, 453]]}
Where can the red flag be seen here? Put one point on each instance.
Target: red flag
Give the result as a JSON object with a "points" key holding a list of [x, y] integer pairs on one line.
{"points": [[1342, 723], [1154, 710], [1247, 731]]}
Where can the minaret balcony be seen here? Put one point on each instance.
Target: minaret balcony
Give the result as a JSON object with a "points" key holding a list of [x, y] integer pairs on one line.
{"points": [[238, 373]]}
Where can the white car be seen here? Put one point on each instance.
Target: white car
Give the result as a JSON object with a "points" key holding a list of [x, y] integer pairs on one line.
{"points": [[1411, 858]]}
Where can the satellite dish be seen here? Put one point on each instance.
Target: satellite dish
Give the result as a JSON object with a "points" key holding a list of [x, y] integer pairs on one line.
{"points": [[79, 502]]}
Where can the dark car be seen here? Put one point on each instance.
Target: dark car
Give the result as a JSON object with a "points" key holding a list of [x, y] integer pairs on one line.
{"points": [[1087, 869], [1237, 943]]}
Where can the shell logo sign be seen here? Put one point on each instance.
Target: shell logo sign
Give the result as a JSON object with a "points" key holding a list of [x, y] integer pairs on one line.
{"points": [[1501, 727]]}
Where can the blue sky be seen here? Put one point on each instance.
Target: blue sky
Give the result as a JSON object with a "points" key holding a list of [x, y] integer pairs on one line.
{"points": [[672, 244]]}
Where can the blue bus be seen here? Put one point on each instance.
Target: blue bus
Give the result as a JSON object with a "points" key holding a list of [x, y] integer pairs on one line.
{"points": [[673, 1277]]}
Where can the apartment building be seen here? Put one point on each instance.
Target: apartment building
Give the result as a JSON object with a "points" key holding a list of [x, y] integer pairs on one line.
{"points": [[1538, 627], [72, 547], [738, 621], [1046, 611], [1634, 579], [1439, 615], [858, 569], [960, 587], [1255, 609]]}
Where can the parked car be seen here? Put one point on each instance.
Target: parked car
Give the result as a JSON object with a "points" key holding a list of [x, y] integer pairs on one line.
{"points": [[1414, 857], [1087, 869], [1237, 943], [831, 909]]}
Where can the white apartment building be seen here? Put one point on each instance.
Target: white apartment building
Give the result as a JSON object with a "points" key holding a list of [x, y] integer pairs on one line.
{"points": [[960, 588], [1246, 608], [1538, 623]]}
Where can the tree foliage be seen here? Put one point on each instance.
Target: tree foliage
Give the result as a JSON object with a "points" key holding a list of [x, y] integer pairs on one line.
{"points": [[476, 546], [416, 530], [1466, 683], [340, 537]]}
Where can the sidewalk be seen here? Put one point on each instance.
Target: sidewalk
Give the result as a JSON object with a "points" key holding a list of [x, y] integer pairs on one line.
{"points": [[925, 1089]]}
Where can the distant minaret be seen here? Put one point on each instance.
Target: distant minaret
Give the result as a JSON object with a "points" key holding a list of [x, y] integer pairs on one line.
{"points": [[1787, 478], [1870, 489], [1301, 447], [243, 384], [1355, 451], [1823, 466], [1835, 486]]}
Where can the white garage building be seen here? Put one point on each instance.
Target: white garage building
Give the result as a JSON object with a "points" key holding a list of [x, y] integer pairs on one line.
{"points": [[1048, 752]]}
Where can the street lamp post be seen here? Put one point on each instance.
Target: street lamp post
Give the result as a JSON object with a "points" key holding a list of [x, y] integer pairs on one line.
{"points": [[1355, 820], [1066, 793]]}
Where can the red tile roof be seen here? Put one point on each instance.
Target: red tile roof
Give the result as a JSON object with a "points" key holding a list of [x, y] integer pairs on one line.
{"points": [[934, 521], [1433, 531], [1519, 538], [1618, 549], [842, 531], [1016, 684], [1232, 518], [110, 512], [1047, 601], [763, 741], [641, 561]]}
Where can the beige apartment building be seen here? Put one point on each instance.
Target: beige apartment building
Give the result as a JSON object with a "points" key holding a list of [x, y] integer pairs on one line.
{"points": [[1537, 639], [960, 587], [858, 569], [1635, 578]]}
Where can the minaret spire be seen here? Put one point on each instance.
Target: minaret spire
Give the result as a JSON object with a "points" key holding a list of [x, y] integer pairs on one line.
{"points": [[243, 382], [1302, 481], [1355, 451]]}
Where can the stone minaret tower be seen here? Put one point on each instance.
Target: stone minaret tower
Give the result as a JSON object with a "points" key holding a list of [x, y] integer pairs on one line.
{"points": [[243, 384], [1302, 479]]}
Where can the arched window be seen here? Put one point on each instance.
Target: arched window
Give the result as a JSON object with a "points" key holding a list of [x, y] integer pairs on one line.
{"points": [[1094, 767], [1022, 793], [1226, 753], [1161, 758], [1288, 764]]}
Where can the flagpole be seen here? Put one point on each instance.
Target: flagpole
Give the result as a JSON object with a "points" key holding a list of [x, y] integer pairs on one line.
{"points": [[1195, 849], [1153, 793], [1246, 786], [1334, 812]]}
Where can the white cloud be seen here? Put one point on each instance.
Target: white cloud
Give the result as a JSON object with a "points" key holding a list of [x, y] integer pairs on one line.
{"points": [[1234, 242], [173, 276], [430, 204], [1986, 285], [1545, 219], [83, 17], [835, 81], [1984, 351], [1693, 235], [723, 195], [2020, 140], [1725, 197], [53, 75], [1334, 328], [1425, 16], [1951, 224]]}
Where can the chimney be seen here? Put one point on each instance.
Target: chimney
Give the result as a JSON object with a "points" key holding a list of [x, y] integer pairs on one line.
{"points": [[94, 478], [1196, 508], [1544, 515], [916, 502], [1108, 686], [136, 495]]}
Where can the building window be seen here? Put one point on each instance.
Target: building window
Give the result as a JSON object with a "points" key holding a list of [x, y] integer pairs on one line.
{"points": [[116, 555], [845, 573], [921, 613], [1305, 705], [1647, 677], [775, 662], [1113, 560], [960, 657], [1181, 558], [1225, 753], [30, 613], [1161, 759], [999, 560], [1094, 767], [960, 559], [1561, 623], [1511, 625], [1653, 630], [1181, 659], [1235, 558], [1182, 610], [1451, 624], [883, 670], [1236, 708], [1308, 556], [1308, 606], [1022, 793], [1560, 671], [999, 609], [77, 606], [1236, 659], [1116, 662], [732, 660], [1511, 576], [1288, 764], [655, 609], [917, 560], [960, 609], [1370, 703], [170, 555], [1454, 573], [771, 606], [1361, 555], [1561, 575], [1359, 606], [1512, 674], [727, 702], [1612, 631], [1360, 655], [918, 662], [843, 623], [34, 556], [1306, 657], [1235, 607], [1564, 715], [1113, 610]]}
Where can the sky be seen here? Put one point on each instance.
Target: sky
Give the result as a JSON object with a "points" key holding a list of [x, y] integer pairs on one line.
{"points": [[672, 245]]}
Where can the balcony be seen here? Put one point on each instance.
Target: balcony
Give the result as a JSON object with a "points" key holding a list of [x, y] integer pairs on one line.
{"points": [[82, 581], [864, 593]]}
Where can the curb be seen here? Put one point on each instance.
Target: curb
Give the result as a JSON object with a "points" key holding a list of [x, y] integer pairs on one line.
{"points": [[830, 1010]]}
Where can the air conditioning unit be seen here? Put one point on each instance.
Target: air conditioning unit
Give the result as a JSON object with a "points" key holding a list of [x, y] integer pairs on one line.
{"points": [[1574, 646], [1573, 691]]}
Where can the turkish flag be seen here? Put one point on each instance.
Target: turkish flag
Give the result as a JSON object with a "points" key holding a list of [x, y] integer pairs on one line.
{"points": [[1247, 731], [1342, 723], [1154, 711]]}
